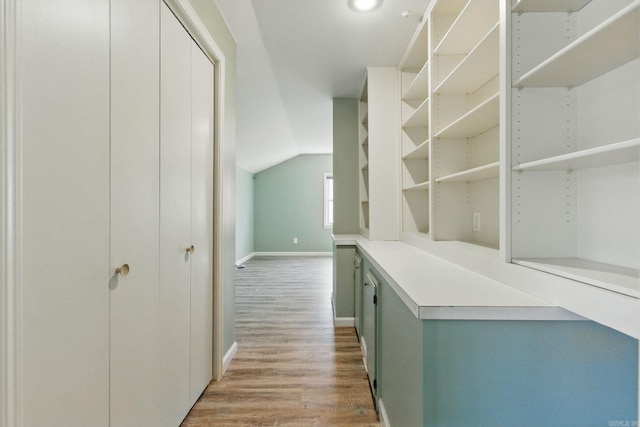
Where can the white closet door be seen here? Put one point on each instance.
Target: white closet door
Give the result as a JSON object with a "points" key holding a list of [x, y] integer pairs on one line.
{"points": [[201, 222], [175, 213], [135, 125], [63, 75]]}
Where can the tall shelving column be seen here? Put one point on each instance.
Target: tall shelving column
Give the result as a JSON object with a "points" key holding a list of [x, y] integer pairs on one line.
{"points": [[363, 132], [379, 155], [465, 115], [414, 80], [575, 140]]}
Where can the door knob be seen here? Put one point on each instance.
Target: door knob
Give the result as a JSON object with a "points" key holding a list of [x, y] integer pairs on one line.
{"points": [[191, 249], [123, 270]]}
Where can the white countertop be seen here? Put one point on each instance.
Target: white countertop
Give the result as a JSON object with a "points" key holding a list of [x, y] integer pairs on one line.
{"points": [[434, 288]]}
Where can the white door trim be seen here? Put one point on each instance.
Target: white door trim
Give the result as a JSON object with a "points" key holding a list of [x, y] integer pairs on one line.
{"points": [[9, 204], [188, 17]]}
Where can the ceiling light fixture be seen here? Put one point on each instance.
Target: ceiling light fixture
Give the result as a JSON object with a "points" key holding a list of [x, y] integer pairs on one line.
{"points": [[364, 5]]}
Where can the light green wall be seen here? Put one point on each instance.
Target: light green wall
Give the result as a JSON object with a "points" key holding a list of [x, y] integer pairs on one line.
{"points": [[288, 203], [345, 155], [244, 213], [213, 20]]}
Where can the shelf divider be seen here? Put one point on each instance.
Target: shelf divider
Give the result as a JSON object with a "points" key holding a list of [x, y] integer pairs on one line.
{"points": [[549, 5], [620, 152], [483, 117], [607, 276], [420, 152], [492, 170], [477, 68], [591, 55], [420, 186]]}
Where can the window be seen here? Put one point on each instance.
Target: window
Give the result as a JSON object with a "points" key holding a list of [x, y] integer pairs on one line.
{"points": [[328, 200]]}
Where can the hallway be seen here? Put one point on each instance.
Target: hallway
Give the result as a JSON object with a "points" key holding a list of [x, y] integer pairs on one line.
{"points": [[293, 368]]}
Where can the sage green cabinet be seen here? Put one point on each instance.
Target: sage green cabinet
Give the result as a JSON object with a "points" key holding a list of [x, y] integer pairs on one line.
{"points": [[342, 296], [357, 296]]}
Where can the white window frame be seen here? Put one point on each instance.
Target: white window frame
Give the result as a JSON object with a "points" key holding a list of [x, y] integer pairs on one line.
{"points": [[328, 200]]}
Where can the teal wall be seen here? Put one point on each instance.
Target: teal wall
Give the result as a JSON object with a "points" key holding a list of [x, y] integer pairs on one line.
{"points": [[528, 373], [345, 156], [289, 202], [244, 213]]}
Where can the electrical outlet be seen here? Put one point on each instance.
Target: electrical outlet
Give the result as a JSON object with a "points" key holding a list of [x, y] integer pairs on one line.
{"points": [[295, 240], [477, 221]]}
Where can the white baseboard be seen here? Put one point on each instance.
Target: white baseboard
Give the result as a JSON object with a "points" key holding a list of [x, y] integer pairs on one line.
{"points": [[344, 322], [341, 322], [382, 414], [293, 254], [228, 357], [245, 259]]}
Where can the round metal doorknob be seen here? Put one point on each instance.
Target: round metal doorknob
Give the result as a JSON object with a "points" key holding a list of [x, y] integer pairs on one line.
{"points": [[191, 249], [123, 270]]}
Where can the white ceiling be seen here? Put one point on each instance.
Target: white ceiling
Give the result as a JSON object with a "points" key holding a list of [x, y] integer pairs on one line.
{"points": [[294, 56]]}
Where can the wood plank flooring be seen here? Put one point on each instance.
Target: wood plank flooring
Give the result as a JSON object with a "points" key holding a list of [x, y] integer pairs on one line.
{"points": [[293, 368]]}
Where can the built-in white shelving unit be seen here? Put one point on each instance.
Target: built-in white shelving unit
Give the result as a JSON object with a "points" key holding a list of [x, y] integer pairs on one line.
{"points": [[465, 116], [415, 79], [575, 140], [363, 126], [379, 157]]}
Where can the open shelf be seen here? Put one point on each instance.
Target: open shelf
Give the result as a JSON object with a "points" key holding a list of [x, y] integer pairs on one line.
{"points": [[549, 5], [419, 88], [420, 152], [591, 55], [471, 25], [477, 68], [420, 186], [420, 117], [608, 276], [483, 117], [417, 53], [492, 170], [621, 152]]}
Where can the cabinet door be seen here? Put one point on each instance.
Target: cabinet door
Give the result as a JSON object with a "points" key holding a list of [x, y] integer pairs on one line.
{"points": [[134, 210], [357, 284], [201, 221], [63, 74], [369, 302], [175, 217]]}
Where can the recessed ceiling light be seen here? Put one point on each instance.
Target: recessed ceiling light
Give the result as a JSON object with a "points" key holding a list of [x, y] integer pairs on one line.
{"points": [[364, 5]]}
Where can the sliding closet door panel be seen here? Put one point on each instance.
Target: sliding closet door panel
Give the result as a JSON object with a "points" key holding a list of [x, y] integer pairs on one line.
{"points": [[175, 211], [135, 75], [63, 75], [201, 222]]}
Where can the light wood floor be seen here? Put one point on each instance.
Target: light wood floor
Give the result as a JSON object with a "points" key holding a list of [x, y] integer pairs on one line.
{"points": [[293, 368]]}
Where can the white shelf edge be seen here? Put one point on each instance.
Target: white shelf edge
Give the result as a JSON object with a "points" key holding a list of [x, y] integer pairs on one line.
{"points": [[415, 88], [491, 170], [416, 120], [421, 186], [549, 5], [606, 276], [485, 107], [424, 146], [442, 87], [616, 153], [585, 70], [416, 44], [463, 18]]}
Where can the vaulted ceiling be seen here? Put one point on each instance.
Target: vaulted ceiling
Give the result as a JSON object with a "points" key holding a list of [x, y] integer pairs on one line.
{"points": [[294, 57]]}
